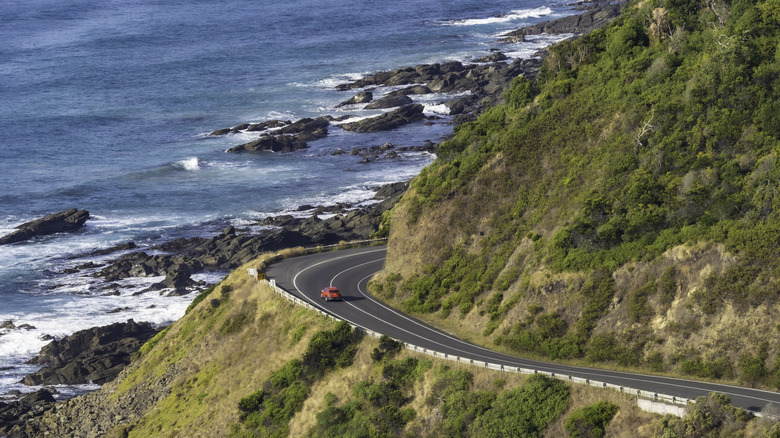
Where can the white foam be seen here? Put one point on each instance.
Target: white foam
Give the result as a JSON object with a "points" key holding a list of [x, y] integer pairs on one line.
{"points": [[189, 164], [73, 313], [533, 44], [331, 81], [512, 16], [440, 109]]}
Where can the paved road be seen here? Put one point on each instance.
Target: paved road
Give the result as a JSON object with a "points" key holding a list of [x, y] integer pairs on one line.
{"points": [[350, 270]]}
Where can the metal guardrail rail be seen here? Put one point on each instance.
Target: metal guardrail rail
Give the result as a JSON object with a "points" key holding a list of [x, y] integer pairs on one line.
{"points": [[646, 395]]}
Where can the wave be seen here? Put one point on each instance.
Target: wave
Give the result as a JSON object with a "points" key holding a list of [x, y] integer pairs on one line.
{"points": [[512, 16], [533, 43], [189, 164], [440, 109]]}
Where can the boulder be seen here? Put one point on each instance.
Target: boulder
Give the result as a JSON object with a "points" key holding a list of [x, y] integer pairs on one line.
{"points": [[308, 129], [362, 97], [493, 57], [415, 89], [271, 143], [389, 102], [62, 222], [393, 119]]}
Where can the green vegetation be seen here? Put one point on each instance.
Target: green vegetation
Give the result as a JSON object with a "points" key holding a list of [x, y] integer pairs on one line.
{"points": [[525, 411], [267, 412], [657, 132], [378, 409], [713, 415], [590, 421], [382, 408]]}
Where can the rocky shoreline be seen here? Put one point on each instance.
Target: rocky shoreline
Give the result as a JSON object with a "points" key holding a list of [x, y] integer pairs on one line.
{"points": [[99, 354]]}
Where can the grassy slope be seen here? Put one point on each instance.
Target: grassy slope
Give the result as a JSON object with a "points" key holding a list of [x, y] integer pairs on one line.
{"points": [[190, 381], [623, 210]]}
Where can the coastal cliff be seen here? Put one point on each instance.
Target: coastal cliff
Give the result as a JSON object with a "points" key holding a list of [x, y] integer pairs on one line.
{"points": [[610, 213]]}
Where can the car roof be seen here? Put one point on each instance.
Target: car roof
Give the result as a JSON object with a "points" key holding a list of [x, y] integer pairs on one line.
{"points": [[331, 288]]}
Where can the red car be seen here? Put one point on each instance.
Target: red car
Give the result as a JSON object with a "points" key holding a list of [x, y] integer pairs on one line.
{"points": [[330, 293]]}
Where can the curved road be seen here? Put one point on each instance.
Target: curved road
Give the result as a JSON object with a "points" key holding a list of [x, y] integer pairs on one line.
{"points": [[350, 270]]}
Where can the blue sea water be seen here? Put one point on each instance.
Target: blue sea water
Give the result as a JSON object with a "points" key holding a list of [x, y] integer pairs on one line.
{"points": [[107, 105]]}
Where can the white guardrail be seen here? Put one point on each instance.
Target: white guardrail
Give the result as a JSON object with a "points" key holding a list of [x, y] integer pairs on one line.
{"points": [[639, 394]]}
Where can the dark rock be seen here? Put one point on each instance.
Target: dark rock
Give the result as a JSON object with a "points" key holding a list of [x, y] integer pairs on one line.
{"points": [[416, 89], [264, 126], [119, 310], [62, 222], [222, 131], [21, 411], [101, 252], [391, 190], [393, 119], [308, 129], [493, 57], [9, 325], [462, 104], [94, 355], [272, 143], [38, 397], [595, 17], [362, 97], [389, 102], [27, 327]]}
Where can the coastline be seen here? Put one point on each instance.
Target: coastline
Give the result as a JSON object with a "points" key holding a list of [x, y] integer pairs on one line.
{"points": [[485, 81]]}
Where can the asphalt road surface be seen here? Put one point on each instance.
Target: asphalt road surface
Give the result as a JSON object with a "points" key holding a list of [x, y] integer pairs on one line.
{"points": [[350, 270]]}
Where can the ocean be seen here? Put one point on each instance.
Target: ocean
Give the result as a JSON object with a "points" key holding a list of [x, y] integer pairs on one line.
{"points": [[107, 106]]}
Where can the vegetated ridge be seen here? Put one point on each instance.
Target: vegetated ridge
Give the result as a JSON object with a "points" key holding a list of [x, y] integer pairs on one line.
{"points": [[623, 210]]}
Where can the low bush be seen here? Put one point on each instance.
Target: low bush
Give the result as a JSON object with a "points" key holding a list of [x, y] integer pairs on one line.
{"points": [[590, 421]]}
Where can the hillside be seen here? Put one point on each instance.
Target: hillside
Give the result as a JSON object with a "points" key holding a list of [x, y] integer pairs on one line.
{"points": [[620, 211], [245, 362]]}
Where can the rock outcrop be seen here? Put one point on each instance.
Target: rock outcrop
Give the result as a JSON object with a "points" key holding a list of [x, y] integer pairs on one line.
{"points": [[288, 138], [596, 16], [95, 355], [16, 413], [399, 117], [62, 222], [362, 97], [389, 102]]}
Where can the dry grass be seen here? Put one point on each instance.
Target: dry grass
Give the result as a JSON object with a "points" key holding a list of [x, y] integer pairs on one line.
{"points": [[215, 371], [630, 421], [339, 383]]}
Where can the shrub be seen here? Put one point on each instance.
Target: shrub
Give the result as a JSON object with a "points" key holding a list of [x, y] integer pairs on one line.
{"points": [[387, 348], [590, 421], [524, 411]]}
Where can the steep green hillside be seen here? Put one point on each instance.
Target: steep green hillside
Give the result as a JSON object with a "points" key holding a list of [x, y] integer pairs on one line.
{"points": [[623, 210]]}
